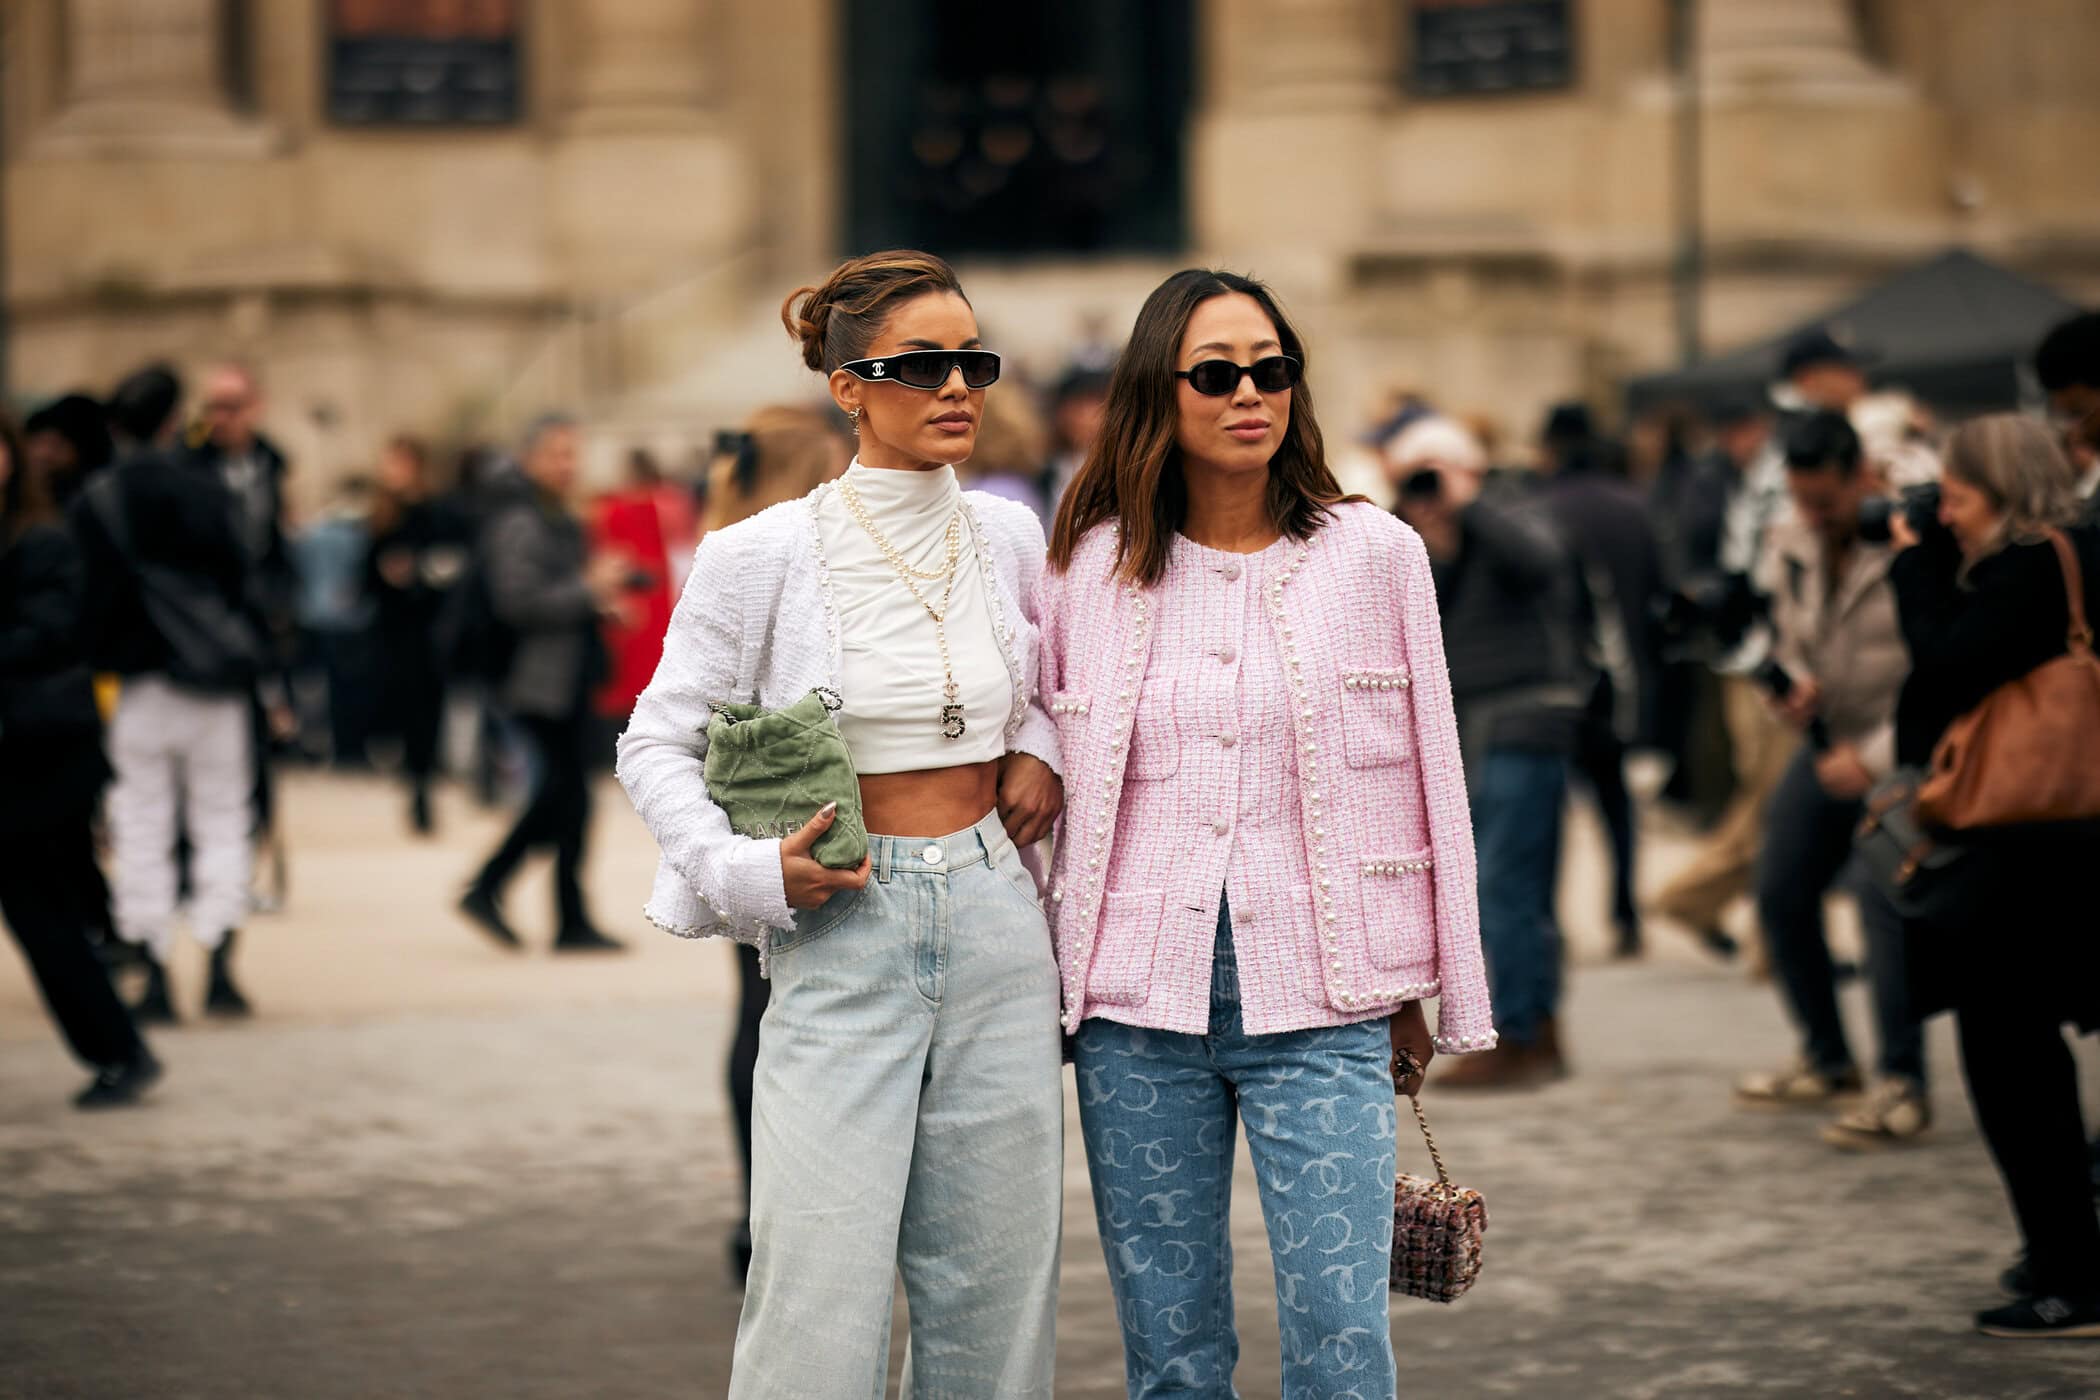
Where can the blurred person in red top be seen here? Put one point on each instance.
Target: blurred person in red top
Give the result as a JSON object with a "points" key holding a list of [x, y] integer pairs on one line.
{"points": [[650, 522]]}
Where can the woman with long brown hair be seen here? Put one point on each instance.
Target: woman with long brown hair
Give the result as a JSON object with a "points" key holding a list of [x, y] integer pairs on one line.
{"points": [[1267, 862], [909, 1116]]}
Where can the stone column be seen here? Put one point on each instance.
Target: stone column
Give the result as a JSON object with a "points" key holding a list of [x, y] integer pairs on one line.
{"points": [[144, 75], [1809, 151], [1284, 160], [642, 65], [1782, 46], [651, 190], [1304, 53]]}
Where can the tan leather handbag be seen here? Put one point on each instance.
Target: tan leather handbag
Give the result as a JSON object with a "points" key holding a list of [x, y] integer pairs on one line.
{"points": [[2029, 753]]}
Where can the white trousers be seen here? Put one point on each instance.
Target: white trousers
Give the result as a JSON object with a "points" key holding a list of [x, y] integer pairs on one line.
{"points": [[175, 748]]}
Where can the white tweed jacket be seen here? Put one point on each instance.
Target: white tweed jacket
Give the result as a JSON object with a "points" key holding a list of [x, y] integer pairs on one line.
{"points": [[756, 624]]}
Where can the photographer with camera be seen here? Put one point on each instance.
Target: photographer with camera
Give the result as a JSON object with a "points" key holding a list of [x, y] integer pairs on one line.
{"points": [[1508, 595], [1983, 602], [1713, 619], [2067, 363], [1838, 661]]}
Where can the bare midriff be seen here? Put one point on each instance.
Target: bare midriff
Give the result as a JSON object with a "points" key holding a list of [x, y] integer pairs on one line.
{"points": [[929, 801]]}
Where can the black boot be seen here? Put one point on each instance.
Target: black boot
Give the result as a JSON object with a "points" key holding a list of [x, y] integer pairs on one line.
{"points": [[419, 811], [585, 938], [479, 904], [116, 953], [154, 1007], [1629, 945], [223, 998], [118, 1086]]}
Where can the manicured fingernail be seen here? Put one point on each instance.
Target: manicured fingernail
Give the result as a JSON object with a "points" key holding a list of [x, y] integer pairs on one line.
{"points": [[828, 809]]}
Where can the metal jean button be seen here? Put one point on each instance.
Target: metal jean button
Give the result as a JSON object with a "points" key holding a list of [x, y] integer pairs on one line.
{"points": [[933, 855]]}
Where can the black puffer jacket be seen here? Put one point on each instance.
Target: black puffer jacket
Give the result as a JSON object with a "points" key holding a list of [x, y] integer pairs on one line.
{"points": [[179, 516], [1513, 634], [51, 763]]}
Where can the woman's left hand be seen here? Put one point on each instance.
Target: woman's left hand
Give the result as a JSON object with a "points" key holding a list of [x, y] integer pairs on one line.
{"points": [[1030, 797], [1844, 774], [1410, 1032]]}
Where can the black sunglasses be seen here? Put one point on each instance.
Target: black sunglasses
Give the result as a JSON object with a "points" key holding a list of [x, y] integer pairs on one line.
{"points": [[1216, 378], [928, 369]]}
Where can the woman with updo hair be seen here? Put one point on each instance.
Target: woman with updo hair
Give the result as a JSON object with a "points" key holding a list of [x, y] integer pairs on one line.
{"points": [[908, 1113]]}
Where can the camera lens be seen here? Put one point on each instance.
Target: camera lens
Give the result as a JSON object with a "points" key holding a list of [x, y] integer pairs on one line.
{"points": [[1421, 485], [1775, 678], [1874, 514]]}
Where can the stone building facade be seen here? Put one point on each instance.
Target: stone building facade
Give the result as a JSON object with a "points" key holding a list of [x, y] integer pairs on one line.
{"points": [[177, 184]]}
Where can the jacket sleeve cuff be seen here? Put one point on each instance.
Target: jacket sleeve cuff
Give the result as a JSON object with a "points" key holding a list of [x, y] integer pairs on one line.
{"points": [[1878, 751], [756, 890], [1037, 737], [1463, 1028]]}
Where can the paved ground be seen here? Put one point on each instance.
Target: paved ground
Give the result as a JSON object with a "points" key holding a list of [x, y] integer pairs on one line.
{"points": [[431, 1170]]}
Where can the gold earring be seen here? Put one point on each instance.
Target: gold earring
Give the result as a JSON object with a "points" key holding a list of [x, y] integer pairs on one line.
{"points": [[853, 416]]}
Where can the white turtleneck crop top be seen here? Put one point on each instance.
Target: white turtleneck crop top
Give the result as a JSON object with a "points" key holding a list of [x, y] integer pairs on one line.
{"points": [[890, 674]]}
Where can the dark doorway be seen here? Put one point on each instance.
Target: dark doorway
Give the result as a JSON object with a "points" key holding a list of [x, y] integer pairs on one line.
{"points": [[1026, 126]]}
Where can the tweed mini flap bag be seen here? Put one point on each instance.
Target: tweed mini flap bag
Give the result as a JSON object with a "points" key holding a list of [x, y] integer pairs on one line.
{"points": [[1437, 1229], [770, 770]]}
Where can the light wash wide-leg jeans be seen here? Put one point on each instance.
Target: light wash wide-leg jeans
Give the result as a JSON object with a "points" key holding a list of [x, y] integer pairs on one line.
{"points": [[909, 1119]]}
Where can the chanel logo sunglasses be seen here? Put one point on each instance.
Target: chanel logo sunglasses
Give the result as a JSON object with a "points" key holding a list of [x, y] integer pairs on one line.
{"points": [[1217, 378], [928, 369]]}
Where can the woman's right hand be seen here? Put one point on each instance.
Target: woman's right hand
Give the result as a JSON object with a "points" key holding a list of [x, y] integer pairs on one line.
{"points": [[1901, 536], [807, 883]]}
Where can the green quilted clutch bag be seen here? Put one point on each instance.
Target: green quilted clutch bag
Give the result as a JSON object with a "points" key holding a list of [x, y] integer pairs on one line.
{"points": [[770, 770]]}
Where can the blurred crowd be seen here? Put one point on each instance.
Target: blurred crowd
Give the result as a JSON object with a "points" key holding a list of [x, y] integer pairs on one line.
{"points": [[1815, 607], [1718, 585], [177, 632]]}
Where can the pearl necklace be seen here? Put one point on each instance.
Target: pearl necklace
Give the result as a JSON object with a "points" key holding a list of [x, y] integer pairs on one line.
{"points": [[952, 723]]}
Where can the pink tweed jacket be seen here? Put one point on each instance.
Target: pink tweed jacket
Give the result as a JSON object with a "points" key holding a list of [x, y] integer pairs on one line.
{"points": [[1389, 911]]}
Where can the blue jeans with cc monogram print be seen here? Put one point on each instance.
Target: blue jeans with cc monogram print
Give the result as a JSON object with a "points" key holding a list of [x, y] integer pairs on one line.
{"points": [[1157, 1110]]}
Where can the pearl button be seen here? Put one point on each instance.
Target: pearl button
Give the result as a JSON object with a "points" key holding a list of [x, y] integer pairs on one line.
{"points": [[1228, 740], [1232, 573], [933, 855], [1219, 828], [1227, 655]]}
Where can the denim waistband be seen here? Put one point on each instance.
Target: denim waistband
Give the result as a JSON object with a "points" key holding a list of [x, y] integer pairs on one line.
{"points": [[908, 855]]}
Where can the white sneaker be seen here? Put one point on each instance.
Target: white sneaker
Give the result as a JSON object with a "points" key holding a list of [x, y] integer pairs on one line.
{"points": [[1799, 1085], [1896, 1112]]}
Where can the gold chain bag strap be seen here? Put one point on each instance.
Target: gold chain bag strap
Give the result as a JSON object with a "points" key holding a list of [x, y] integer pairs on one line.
{"points": [[1437, 1225]]}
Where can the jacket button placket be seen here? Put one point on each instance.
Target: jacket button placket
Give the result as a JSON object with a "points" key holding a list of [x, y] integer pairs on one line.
{"points": [[1309, 789]]}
